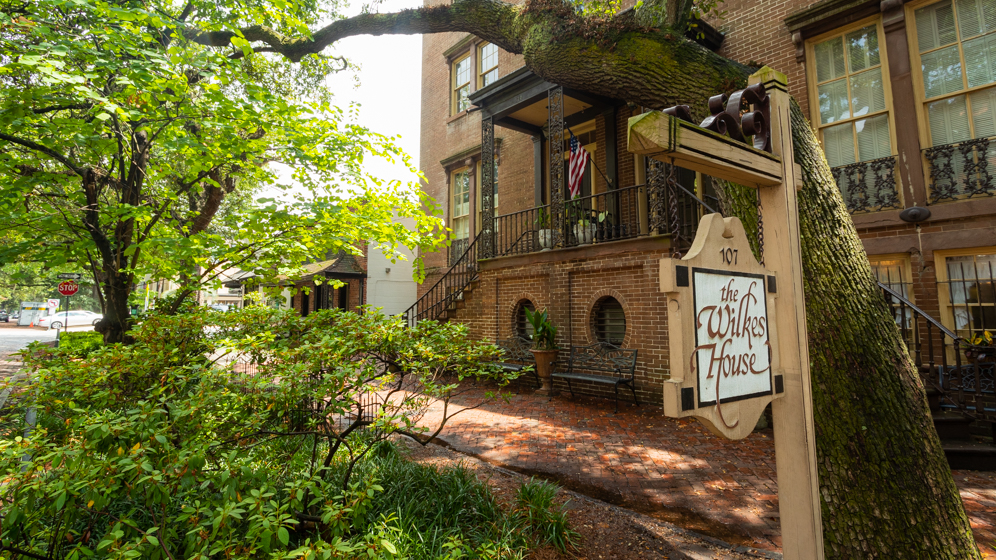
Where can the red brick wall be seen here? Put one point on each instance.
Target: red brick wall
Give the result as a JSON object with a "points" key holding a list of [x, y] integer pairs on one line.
{"points": [[756, 32], [569, 289]]}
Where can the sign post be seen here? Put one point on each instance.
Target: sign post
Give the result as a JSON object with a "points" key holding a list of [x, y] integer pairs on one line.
{"points": [[736, 327], [67, 288]]}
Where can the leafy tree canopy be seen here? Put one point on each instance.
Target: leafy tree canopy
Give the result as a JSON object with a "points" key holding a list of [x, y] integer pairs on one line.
{"points": [[129, 150]]}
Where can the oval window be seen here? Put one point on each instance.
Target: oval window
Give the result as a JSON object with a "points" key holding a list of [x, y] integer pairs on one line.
{"points": [[609, 321]]}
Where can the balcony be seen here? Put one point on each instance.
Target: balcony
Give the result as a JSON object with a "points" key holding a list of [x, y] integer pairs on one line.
{"points": [[868, 186], [960, 170], [626, 213]]}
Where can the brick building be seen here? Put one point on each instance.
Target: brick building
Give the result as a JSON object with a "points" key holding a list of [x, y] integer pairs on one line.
{"points": [[901, 94]]}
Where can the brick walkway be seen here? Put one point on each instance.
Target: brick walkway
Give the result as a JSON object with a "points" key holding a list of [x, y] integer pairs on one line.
{"points": [[674, 470]]}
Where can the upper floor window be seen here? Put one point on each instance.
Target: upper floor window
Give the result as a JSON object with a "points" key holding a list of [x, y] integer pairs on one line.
{"points": [[956, 46], [487, 70], [460, 74], [852, 96]]}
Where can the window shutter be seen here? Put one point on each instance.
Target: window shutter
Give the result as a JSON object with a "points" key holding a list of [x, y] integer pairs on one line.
{"points": [[862, 48], [867, 92], [983, 105], [610, 321], [948, 121], [935, 26], [829, 60], [941, 71], [838, 141], [969, 19], [833, 102], [873, 138]]}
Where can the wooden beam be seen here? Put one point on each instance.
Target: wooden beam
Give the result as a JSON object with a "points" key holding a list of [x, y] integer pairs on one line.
{"points": [[668, 138], [519, 126]]}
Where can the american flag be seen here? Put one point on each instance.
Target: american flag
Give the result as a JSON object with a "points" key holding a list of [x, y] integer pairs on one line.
{"points": [[576, 164]]}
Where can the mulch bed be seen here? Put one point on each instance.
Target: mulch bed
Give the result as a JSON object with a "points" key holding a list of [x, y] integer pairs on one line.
{"points": [[607, 531]]}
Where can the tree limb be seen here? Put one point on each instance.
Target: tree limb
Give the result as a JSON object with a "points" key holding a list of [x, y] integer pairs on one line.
{"points": [[45, 150]]}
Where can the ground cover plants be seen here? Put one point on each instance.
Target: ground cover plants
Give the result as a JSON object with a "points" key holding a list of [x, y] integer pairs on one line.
{"points": [[257, 434]]}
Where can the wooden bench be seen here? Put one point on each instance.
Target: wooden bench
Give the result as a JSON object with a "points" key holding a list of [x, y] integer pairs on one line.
{"points": [[516, 355], [601, 363]]}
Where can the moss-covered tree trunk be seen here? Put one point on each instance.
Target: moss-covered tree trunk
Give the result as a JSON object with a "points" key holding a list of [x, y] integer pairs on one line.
{"points": [[886, 488]]}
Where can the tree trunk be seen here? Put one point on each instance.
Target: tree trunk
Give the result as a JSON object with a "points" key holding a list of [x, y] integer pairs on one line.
{"points": [[886, 487], [117, 313]]}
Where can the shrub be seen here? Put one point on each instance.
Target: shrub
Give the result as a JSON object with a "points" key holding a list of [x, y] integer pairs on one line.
{"points": [[162, 449], [80, 344]]}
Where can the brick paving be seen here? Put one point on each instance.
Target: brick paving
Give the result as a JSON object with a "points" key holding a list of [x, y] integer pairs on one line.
{"points": [[671, 469]]}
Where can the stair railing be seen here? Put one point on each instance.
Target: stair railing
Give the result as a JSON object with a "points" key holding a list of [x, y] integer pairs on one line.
{"points": [[447, 290], [932, 346]]}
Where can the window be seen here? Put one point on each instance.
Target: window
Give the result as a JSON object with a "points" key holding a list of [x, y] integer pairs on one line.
{"points": [[609, 321], [460, 212], [460, 77], [956, 45], [852, 96], [522, 326], [487, 67], [894, 272], [966, 278]]}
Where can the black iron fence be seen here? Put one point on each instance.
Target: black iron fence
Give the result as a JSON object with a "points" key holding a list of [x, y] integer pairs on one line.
{"points": [[961, 170], [868, 186]]}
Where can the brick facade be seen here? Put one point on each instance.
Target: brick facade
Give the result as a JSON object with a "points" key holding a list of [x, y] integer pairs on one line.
{"points": [[568, 282]]}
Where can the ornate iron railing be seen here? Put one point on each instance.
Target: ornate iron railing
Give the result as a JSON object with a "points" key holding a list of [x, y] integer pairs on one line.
{"points": [[941, 356], [868, 186], [608, 216], [448, 289], [961, 170]]}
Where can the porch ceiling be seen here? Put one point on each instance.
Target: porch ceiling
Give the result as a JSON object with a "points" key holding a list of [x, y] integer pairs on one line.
{"points": [[519, 102]]}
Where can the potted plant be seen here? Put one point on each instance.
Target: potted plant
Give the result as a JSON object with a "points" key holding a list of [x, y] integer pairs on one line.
{"points": [[584, 231], [544, 348], [980, 348], [546, 239]]}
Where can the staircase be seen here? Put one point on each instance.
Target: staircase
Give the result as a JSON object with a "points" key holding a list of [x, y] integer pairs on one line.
{"points": [[954, 391], [449, 293]]}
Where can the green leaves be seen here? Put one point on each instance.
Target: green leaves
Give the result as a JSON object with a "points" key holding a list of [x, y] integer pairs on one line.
{"points": [[181, 139]]}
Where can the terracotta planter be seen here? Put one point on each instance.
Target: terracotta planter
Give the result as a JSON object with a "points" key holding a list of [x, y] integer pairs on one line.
{"points": [[544, 367]]}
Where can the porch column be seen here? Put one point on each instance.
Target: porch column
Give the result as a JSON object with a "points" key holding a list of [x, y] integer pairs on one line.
{"points": [[555, 103], [487, 184], [538, 195]]}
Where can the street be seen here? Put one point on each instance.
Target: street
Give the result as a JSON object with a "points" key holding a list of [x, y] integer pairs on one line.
{"points": [[13, 338]]}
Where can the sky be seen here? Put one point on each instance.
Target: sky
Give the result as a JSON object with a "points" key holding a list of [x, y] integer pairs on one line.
{"points": [[389, 90], [390, 86]]}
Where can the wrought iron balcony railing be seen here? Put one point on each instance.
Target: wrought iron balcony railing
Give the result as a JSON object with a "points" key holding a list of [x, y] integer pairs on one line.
{"points": [[961, 170], [868, 186]]}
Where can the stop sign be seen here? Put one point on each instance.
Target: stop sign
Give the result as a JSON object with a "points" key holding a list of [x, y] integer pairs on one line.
{"points": [[68, 288]]}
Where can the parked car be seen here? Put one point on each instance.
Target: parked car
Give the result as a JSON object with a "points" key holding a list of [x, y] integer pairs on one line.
{"points": [[64, 319], [4, 317]]}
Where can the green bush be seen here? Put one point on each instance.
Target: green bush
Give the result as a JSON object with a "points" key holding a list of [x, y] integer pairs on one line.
{"points": [[548, 522], [80, 344], [161, 449]]}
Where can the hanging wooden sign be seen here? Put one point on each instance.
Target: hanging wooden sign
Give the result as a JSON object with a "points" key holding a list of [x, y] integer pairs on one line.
{"points": [[721, 303], [719, 300]]}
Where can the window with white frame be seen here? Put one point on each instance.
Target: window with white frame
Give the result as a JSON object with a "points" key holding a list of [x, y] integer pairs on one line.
{"points": [[487, 72]]}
